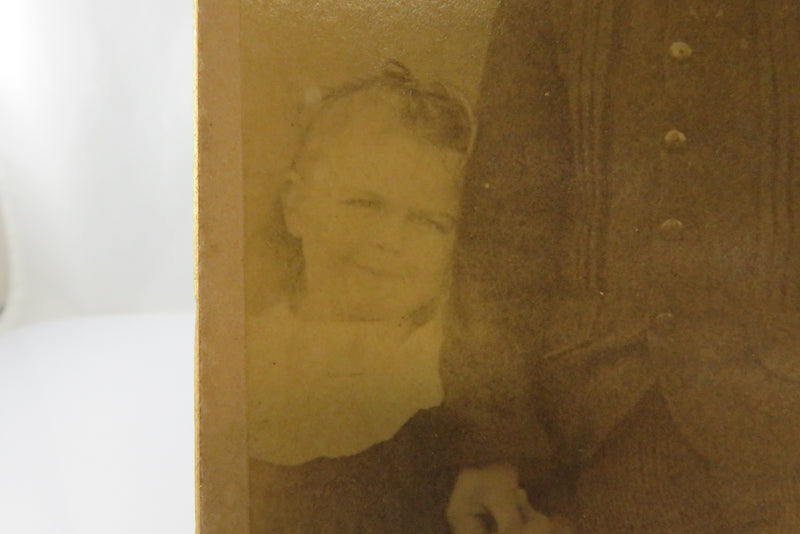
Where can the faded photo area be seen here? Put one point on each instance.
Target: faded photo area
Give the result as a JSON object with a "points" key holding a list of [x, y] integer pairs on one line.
{"points": [[357, 126], [522, 266]]}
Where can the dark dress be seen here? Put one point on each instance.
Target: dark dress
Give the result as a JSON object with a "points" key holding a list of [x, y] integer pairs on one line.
{"points": [[398, 486], [390, 487]]}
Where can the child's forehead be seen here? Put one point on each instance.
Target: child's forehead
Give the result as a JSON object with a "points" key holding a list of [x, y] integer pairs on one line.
{"points": [[368, 114], [363, 140], [386, 154]]}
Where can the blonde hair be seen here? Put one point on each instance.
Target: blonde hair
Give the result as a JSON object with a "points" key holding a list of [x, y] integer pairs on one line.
{"points": [[434, 112]]}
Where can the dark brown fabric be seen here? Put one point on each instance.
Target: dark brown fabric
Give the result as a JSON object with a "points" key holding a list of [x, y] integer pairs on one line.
{"points": [[631, 266], [659, 484]]}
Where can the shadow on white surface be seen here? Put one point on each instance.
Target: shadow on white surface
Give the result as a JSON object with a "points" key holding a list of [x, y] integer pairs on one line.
{"points": [[97, 426]]}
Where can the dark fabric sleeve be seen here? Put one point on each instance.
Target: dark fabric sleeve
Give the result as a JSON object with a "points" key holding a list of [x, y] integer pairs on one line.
{"points": [[514, 193], [513, 211]]}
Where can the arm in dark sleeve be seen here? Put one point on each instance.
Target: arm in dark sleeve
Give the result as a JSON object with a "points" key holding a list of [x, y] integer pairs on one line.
{"points": [[514, 191], [512, 215]]}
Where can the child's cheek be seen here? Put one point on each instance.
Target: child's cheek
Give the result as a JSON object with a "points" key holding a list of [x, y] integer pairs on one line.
{"points": [[344, 242], [431, 256], [330, 223]]}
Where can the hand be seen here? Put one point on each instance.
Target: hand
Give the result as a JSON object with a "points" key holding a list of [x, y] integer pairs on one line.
{"points": [[489, 500]]}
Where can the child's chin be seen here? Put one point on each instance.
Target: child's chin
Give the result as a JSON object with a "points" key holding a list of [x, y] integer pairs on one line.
{"points": [[376, 314], [384, 301]]}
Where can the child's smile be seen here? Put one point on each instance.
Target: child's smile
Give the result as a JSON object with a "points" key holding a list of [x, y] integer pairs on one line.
{"points": [[377, 222]]}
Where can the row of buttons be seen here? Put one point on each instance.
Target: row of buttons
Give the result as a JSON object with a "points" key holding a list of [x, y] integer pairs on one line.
{"points": [[672, 229], [674, 140]]}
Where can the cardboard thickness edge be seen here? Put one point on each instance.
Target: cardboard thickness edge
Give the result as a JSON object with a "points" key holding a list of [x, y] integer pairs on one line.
{"points": [[221, 494]]}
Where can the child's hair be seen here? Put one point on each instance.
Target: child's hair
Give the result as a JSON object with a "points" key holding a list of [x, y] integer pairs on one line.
{"points": [[434, 112]]}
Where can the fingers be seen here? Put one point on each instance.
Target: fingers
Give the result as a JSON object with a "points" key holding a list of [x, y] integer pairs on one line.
{"points": [[464, 506], [482, 492], [500, 499], [534, 521], [494, 491], [507, 516], [524, 506]]}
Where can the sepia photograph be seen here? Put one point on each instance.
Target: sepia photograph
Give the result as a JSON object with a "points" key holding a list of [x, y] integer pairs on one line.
{"points": [[498, 266]]}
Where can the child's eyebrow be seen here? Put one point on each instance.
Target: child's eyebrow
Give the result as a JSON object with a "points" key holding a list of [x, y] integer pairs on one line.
{"points": [[451, 218], [351, 193]]}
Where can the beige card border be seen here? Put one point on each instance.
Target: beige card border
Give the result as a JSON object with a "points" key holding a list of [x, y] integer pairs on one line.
{"points": [[222, 504]]}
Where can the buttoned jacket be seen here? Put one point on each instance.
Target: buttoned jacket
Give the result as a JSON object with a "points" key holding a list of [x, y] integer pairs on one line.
{"points": [[631, 216]]}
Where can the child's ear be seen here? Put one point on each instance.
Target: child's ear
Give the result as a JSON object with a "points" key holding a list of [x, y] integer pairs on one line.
{"points": [[292, 199]]}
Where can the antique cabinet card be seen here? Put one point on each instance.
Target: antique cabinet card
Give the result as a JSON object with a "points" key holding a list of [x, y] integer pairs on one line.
{"points": [[446, 247]]}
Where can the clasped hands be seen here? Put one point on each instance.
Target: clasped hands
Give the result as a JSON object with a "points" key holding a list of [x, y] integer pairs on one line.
{"points": [[489, 500]]}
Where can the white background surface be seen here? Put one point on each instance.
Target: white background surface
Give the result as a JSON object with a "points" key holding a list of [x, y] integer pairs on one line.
{"points": [[96, 356], [96, 418], [96, 155]]}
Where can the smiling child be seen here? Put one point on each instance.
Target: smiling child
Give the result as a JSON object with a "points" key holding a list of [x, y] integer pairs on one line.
{"points": [[373, 198]]}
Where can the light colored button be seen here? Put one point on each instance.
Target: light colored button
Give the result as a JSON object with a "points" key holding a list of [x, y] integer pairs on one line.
{"points": [[680, 50], [675, 138], [671, 229], [664, 322]]}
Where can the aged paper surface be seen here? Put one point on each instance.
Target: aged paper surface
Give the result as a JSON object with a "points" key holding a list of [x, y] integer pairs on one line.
{"points": [[622, 309]]}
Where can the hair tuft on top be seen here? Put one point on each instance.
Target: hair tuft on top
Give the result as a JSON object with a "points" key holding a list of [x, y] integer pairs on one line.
{"points": [[435, 112]]}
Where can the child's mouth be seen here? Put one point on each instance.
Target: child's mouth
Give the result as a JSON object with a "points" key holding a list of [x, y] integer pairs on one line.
{"points": [[377, 271]]}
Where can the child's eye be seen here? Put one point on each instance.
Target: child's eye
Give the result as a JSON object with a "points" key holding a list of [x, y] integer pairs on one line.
{"points": [[434, 223]]}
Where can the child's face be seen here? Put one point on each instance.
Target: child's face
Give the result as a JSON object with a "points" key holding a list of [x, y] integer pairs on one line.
{"points": [[377, 222]]}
